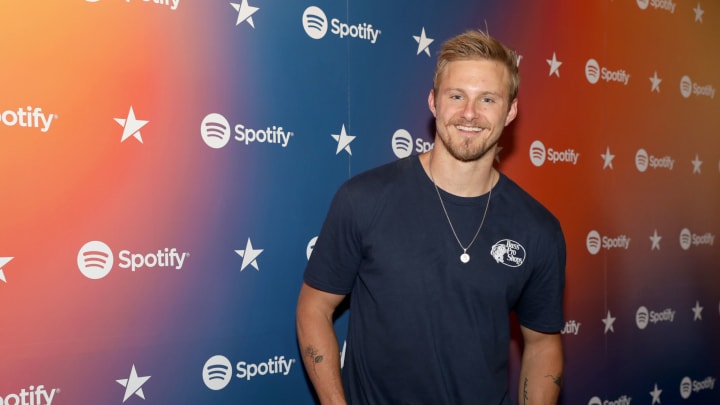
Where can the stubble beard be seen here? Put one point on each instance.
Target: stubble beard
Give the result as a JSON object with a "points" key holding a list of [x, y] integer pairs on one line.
{"points": [[466, 149]]}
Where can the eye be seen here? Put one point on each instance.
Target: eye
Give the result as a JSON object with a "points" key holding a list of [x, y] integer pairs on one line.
{"points": [[488, 100], [456, 97]]}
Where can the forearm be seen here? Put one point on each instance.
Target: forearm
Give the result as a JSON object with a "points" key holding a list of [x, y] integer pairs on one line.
{"points": [[320, 354], [541, 374]]}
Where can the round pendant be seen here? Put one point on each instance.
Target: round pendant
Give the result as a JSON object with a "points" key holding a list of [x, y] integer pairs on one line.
{"points": [[464, 257]]}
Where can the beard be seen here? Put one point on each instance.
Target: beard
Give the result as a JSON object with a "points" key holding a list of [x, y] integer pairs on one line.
{"points": [[467, 148]]}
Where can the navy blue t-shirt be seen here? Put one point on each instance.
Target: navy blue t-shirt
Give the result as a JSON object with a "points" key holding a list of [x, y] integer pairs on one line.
{"points": [[425, 328]]}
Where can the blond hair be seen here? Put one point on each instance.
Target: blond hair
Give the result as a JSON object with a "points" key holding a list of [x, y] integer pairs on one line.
{"points": [[476, 44]]}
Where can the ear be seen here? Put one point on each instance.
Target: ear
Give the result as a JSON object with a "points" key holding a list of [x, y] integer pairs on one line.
{"points": [[431, 102], [512, 113]]}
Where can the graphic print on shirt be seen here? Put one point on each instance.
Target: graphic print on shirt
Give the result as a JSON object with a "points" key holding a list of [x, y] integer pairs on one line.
{"points": [[508, 252]]}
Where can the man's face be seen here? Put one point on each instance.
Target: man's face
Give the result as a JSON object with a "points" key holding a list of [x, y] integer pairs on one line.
{"points": [[471, 107]]}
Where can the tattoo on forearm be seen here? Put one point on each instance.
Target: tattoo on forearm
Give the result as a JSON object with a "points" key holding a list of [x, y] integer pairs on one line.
{"points": [[314, 355], [557, 380]]}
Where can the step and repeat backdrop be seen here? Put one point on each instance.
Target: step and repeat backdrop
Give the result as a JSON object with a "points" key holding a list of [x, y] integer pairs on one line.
{"points": [[167, 164]]}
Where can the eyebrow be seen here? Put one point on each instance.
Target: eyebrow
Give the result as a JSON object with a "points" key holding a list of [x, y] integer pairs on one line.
{"points": [[482, 93]]}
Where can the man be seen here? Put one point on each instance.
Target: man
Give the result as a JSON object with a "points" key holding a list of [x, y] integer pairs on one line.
{"points": [[435, 251]]}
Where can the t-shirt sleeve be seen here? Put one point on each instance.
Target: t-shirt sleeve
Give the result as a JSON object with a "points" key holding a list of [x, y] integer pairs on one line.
{"points": [[540, 307], [335, 259]]}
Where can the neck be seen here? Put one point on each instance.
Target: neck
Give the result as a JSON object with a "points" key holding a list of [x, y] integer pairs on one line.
{"points": [[463, 179]]}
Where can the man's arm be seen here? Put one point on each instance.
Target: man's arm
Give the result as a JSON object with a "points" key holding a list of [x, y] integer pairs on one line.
{"points": [[318, 342], [542, 367]]}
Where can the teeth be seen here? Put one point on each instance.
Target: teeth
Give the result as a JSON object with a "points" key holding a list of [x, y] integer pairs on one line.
{"points": [[464, 128]]}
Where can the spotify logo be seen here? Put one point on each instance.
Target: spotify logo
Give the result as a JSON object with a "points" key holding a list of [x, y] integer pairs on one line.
{"points": [[215, 130], [95, 260], [217, 372]]}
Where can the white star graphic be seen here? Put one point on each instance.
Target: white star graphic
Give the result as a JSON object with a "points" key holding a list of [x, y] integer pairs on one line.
{"points": [[245, 12], [343, 141], [655, 80], [423, 42], [656, 395], [697, 311], [698, 13], [249, 256], [655, 239], [696, 164], [133, 384], [131, 126], [4, 261], [608, 158], [554, 66], [609, 321]]}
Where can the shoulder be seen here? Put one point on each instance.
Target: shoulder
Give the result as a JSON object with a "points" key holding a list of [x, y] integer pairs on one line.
{"points": [[523, 204], [385, 177], [385, 188], [527, 215]]}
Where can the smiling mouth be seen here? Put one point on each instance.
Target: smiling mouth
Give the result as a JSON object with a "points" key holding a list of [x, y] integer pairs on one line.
{"points": [[469, 129]]}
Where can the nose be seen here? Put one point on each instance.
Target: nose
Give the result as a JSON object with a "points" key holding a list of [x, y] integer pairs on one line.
{"points": [[469, 111]]}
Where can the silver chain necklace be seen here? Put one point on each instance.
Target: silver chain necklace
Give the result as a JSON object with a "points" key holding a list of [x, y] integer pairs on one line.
{"points": [[464, 257]]}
